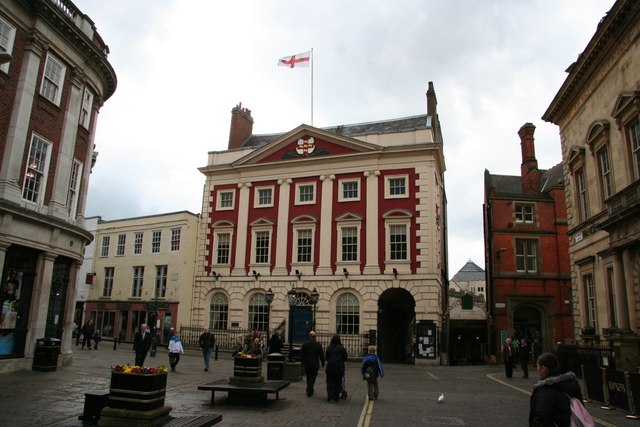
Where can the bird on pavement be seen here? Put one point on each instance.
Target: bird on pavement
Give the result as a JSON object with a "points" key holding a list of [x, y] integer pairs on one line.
{"points": [[441, 398]]}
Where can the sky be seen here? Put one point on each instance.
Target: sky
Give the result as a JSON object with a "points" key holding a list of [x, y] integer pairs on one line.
{"points": [[182, 65]]}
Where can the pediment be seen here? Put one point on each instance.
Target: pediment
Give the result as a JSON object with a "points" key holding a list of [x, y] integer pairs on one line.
{"points": [[304, 219], [262, 222], [223, 224], [397, 213], [626, 101], [305, 143], [349, 216]]}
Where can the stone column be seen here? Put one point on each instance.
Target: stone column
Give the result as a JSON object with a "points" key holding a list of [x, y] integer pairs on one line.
{"points": [[40, 300], [242, 239], [18, 139], [628, 260], [371, 237], [622, 312], [326, 216], [280, 268]]}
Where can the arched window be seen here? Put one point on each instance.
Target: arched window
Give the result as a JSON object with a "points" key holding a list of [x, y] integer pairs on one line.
{"points": [[218, 311], [347, 314], [258, 313]]}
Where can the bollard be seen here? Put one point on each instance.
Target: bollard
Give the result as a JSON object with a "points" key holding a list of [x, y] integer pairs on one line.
{"points": [[216, 356]]}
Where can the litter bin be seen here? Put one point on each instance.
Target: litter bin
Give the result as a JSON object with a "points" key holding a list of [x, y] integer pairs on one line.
{"points": [[45, 357], [275, 366]]}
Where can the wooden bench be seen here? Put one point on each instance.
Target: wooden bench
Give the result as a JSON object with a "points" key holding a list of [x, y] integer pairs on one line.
{"points": [[201, 421], [247, 393]]}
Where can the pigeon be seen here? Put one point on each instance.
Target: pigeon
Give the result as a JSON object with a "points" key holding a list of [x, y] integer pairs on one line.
{"points": [[441, 398]]}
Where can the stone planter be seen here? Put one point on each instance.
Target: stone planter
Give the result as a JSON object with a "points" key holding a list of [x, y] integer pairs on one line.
{"points": [[137, 392], [246, 370]]}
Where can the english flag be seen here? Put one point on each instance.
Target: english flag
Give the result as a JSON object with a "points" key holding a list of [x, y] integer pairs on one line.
{"points": [[297, 60]]}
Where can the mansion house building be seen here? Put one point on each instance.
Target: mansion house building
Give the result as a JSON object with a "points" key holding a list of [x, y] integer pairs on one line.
{"points": [[341, 230]]}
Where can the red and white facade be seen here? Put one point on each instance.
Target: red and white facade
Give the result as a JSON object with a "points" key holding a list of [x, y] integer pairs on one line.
{"points": [[356, 213]]}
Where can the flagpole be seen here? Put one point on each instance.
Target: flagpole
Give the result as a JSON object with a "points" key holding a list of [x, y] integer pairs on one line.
{"points": [[311, 86]]}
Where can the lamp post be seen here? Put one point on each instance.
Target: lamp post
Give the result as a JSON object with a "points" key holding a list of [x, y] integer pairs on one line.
{"points": [[292, 301], [314, 301], [268, 296], [154, 329]]}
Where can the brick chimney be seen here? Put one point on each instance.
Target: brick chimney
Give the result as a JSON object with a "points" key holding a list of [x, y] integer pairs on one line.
{"points": [[529, 173], [241, 126]]}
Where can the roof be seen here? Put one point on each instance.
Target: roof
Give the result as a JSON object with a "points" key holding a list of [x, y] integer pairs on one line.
{"points": [[470, 272], [511, 185], [406, 124]]}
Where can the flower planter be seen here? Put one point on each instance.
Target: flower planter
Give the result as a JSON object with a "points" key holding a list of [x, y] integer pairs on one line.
{"points": [[137, 392], [247, 367]]}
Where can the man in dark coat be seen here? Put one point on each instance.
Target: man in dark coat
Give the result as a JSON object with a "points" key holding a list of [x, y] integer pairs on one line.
{"points": [[275, 343], [508, 352], [311, 356], [87, 333], [141, 344], [207, 342]]}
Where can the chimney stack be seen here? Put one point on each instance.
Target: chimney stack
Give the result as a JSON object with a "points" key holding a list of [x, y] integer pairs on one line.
{"points": [[529, 172], [432, 102], [241, 126]]}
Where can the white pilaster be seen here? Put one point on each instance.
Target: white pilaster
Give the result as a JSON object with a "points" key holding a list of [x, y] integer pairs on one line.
{"points": [[280, 268], [239, 268], [326, 216], [371, 266]]}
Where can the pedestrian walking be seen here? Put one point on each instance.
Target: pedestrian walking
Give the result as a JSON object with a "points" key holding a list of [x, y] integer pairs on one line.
{"points": [[312, 356], [141, 344], [507, 357], [87, 333], [536, 349], [207, 342], [175, 350], [97, 337], [336, 356], [275, 343], [550, 401], [525, 353], [371, 369]]}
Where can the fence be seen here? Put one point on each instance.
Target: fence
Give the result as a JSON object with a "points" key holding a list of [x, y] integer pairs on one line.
{"points": [[573, 357], [613, 388], [230, 340]]}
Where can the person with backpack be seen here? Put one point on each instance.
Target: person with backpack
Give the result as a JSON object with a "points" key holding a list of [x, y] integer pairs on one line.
{"points": [[336, 356], [371, 369], [550, 403]]}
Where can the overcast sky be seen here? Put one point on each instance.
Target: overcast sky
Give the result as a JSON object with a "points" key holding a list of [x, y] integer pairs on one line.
{"points": [[182, 65]]}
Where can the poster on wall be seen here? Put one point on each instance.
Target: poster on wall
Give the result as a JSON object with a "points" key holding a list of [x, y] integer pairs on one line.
{"points": [[426, 340]]}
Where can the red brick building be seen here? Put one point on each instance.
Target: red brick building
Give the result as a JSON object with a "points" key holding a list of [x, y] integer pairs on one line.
{"points": [[526, 250]]}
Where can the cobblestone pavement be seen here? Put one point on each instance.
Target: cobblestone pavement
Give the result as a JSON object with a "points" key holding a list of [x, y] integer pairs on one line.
{"points": [[474, 395]]}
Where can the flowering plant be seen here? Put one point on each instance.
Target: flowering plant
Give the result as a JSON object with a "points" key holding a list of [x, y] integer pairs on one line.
{"points": [[248, 356], [145, 370]]}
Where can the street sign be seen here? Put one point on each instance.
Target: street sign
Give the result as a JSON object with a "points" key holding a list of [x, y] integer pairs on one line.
{"points": [[157, 306]]}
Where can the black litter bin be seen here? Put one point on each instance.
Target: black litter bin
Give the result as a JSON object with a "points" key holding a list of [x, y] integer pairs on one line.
{"points": [[45, 357], [275, 366]]}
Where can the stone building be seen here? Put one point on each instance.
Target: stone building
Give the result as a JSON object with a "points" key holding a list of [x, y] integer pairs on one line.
{"points": [[526, 249], [598, 112], [54, 78], [341, 229]]}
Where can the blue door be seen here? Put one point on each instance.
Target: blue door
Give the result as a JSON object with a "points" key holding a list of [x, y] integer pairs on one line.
{"points": [[302, 320]]}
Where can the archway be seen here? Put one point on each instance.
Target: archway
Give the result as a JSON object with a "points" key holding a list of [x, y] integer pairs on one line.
{"points": [[396, 324], [527, 322]]}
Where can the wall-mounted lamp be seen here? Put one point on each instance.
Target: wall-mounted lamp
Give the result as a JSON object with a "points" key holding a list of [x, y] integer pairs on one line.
{"points": [[268, 296], [256, 274], [500, 251], [395, 273], [4, 56], [299, 274], [215, 275], [345, 272]]}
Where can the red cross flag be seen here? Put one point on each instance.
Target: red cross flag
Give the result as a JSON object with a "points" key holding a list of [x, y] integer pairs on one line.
{"points": [[297, 60]]}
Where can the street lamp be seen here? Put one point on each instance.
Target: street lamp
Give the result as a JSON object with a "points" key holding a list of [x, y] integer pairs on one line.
{"points": [[292, 301], [314, 301], [4, 56], [268, 296]]}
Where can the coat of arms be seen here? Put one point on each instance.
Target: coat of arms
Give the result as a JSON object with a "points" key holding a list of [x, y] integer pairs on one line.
{"points": [[305, 146]]}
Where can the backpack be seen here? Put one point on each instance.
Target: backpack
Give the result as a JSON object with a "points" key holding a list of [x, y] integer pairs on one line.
{"points": [[580, 417], [370, 372]]}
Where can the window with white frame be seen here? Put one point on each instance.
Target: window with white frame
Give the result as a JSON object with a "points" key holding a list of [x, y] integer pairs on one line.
{"points": [[156, 240], [107, 288], [87, 106], [590, 299], [222, 244], [219, 312], [349, 190], [604, 169], [581, 193], [305, 193], [263, 197], [104, 249], [7, 37], [349, 243], [398, 242], [53, 79], [633, 134], [347, 314], [122, 241], [35, 178], [74, 187], [137, 242], [138, 279], [395, 186], [258, 313], [161, 281], [225, 200], [524, 213], [261, 245], [526, 256], [304, 245], [175, 239]]}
